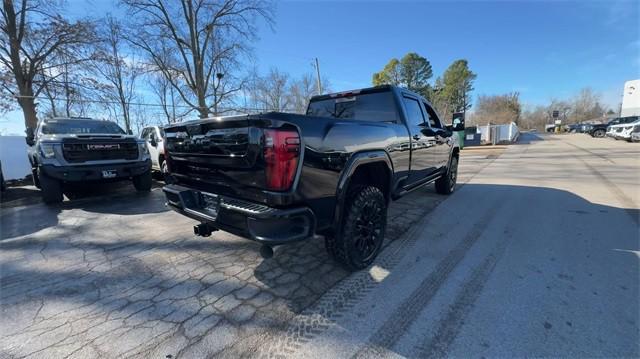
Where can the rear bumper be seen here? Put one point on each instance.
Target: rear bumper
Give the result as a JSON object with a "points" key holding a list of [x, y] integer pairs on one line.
{"points": [[94, 172], [246, 219]]}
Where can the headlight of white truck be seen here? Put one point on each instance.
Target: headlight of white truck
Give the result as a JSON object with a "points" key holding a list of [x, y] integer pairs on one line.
{"points": [[142, 147], [47, 150]]}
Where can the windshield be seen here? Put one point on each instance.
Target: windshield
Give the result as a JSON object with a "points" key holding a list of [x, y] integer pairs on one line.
{"points": [[379, 107], [80, 127]]}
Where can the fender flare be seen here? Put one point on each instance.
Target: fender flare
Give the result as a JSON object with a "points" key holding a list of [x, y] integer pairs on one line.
{"points": [[357, 160]]}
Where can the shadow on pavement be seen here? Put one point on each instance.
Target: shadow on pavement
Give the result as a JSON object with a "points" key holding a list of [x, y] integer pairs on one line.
{"points": [[527, 138], [126, 203], [19, 196], [24, 220], [135, 273]]}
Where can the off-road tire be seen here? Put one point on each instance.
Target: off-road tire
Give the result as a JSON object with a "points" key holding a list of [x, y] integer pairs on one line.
{"points": [[447, 183], [599, 133], [50, 189], [364, 224], [143, 182]]}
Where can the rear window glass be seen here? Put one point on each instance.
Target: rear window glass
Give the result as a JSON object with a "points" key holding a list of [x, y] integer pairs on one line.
{"points": [[379, 107], [80, 127]]}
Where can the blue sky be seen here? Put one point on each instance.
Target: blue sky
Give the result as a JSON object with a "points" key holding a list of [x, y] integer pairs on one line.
{"points": [[543, 49]]}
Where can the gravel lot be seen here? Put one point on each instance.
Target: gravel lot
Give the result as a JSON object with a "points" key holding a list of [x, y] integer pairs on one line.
{"points": [[122, 276]]}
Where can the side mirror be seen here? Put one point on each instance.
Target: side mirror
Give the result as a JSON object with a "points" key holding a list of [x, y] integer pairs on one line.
{"points": [[428, 132], [457, 122], [30, 138]]}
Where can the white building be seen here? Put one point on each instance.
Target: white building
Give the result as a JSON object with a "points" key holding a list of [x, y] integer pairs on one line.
{"points": [[631, 99], [13, 156]]}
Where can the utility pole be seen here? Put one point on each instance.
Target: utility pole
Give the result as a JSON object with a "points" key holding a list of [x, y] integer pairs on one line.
{"points": [[318, 78]]}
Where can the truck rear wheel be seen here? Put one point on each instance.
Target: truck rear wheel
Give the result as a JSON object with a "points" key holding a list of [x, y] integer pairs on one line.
{"points": [[447, 183], [50, 188], [359, 241], [143, 182]]}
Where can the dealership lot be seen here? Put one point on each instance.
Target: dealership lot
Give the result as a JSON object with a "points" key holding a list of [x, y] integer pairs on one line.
{"points": [[538, 251]]}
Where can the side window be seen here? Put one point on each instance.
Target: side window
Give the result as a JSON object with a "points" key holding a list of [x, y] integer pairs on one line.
{"points": [[415, 116], [434, 121]]}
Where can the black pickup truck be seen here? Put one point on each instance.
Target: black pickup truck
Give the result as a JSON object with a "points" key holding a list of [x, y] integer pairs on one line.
{"points": [[278, 178]]}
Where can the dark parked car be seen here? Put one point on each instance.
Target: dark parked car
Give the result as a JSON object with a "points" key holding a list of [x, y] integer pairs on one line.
{"points": [[278, 178], [600, 130], [68, 150], [579, 127]]}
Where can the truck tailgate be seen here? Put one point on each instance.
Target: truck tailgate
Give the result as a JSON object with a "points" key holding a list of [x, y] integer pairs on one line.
{"points": [[224, 154]]}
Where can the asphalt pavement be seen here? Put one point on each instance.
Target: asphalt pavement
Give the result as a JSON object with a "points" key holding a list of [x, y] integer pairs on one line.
{"points": [[536, 254]]}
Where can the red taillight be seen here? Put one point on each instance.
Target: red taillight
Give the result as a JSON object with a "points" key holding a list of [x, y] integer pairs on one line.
{"points": [[281, 153]]}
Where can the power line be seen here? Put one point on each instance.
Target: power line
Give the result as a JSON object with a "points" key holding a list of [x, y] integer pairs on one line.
{"points": [[220, 109]]}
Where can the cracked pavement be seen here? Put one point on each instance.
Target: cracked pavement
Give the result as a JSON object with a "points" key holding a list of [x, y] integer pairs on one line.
{"points": [[122, 276], [536, 254]]}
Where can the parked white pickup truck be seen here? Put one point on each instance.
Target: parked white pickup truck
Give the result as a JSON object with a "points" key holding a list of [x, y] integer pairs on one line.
{"points": [[624, 131]]}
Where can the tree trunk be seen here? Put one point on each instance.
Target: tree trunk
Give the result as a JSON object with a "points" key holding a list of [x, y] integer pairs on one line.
{"points": [[28, 105], [202, 106]]}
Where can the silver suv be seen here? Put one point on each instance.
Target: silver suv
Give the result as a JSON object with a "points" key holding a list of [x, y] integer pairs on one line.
{"points": [[68, 150]]}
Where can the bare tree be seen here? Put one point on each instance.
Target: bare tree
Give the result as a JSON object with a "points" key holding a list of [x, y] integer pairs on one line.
{"points": [[563, 108], [271, 92], [118, 68], [499, 109], [534, 117], [67, 86], [140, 117], [201, 38], [302, 89], [586, 105], [168, 99], [32, 32]]}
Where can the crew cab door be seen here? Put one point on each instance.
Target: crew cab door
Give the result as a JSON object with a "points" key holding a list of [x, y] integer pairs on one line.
{"points": [[424, 155], [443, 138]]}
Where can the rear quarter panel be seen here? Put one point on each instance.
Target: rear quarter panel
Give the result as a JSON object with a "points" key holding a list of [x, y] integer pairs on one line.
{"points": [[329, 145]]}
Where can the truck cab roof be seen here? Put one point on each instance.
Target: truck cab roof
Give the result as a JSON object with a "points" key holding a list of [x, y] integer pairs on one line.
{"points": [[367, 90]]}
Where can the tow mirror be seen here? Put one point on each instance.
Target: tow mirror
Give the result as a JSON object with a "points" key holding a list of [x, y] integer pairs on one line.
{"points": [[428, 132], [30, 138], [457, 121]]}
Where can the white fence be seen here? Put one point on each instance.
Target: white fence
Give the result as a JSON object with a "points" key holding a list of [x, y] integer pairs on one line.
{"points": [[497, 134], [13, 155]]}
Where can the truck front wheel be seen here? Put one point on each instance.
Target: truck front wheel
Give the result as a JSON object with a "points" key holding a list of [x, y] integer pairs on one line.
{"points": [[143, 182], [360, 239], [447, 183], [51, 189]]}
